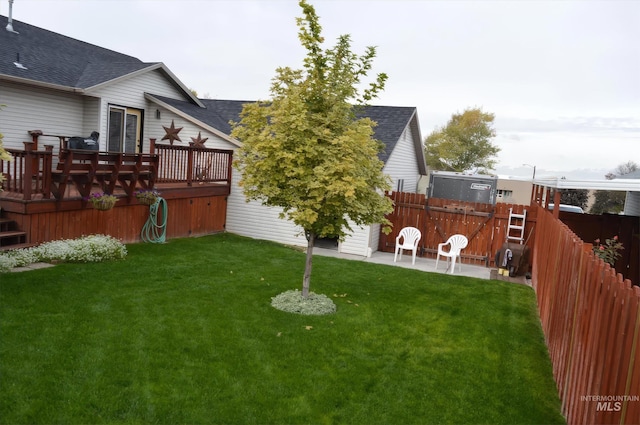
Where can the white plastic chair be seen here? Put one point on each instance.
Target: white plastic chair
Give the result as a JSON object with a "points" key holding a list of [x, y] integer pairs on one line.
{"points": [[457, 243], [410, 237]]}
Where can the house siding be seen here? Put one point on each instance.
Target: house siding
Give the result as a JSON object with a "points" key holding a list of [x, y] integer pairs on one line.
{"points": [[632, 204], [374, 235], [252, 219], [258, 221], [403, 164], [33, 108], [130, 93], [61, 113], [91, 116], [357, 242]]}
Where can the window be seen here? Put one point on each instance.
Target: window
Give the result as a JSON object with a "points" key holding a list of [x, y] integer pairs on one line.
{"points": [[400, 185], [504, 194], [125, 130]]}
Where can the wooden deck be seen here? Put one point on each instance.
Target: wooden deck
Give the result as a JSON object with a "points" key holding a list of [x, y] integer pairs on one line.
{"points": [[46, 195]]}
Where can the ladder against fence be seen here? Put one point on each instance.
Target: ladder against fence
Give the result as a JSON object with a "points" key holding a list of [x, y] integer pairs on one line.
{"points": [[516, 226]]}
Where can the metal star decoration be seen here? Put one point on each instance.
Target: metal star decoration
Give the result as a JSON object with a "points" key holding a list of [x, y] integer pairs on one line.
{"points": [[198, 142], [172, 133]]}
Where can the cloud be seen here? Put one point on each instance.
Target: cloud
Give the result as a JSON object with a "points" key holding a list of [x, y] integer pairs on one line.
{"points": [[570, 124]]}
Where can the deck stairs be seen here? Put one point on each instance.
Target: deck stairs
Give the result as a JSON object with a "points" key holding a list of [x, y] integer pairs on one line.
{"points": [[10, 236]]}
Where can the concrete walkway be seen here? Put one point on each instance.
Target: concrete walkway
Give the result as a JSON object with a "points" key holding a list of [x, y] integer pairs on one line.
{"points": [[34, 266], [423, 264]]}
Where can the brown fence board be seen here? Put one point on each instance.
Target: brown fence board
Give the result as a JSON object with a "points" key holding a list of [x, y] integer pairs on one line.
{"points": [[484, 225], [591, 319], [591, 227]]}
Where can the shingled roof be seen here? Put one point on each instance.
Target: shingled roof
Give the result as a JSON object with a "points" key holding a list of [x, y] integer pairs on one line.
{"points": [[391, 120], [58, 60]]}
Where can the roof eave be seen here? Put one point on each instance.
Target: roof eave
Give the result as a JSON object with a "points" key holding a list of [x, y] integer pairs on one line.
{"points": [[30, 82], [417, 141], [184, 88]]}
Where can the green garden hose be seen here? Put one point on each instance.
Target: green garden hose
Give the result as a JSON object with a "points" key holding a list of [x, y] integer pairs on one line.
{"points": [[153, 231]]}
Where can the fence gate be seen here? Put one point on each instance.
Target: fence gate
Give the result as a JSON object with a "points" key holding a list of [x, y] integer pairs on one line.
{"points": [[485, 225]]}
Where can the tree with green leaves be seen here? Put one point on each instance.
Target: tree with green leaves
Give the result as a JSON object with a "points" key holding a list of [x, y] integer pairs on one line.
{"points": [[464, 144], [577, 197], [606, 201], [305, 151]]}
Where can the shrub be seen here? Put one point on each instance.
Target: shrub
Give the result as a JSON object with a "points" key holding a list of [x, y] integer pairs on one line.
{"points": [[293, 302], [87, 249], [608, 250]]}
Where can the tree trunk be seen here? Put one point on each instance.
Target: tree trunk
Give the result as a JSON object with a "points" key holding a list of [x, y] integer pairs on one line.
{"points": [[306, 281]]}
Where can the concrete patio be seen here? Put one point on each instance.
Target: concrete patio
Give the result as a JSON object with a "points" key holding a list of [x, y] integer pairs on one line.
{"points": [[425, 264]]}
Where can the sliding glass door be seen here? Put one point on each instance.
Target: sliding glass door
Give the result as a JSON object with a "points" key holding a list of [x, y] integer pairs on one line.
{"points": [[125, 130]]}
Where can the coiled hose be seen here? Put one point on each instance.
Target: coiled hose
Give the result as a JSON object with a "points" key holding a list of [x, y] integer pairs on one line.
{"points": [[153, 231]]}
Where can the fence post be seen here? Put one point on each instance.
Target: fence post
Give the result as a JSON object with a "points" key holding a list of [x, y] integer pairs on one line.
{"points": [[229, 167], [27, 177], [34, 137], [47, 164], [190, 150]]}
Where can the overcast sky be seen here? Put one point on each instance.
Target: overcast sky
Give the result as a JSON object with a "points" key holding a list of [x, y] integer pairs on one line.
{"points": [[562, 77]]}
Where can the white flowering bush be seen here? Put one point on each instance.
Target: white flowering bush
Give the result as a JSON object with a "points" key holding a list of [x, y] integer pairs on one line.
{"points": [[87, 249], [293, 302]]}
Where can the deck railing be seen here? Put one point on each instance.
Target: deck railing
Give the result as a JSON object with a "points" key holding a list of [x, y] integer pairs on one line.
{"points": [[192, 164], [29, 171], [28, 175]]}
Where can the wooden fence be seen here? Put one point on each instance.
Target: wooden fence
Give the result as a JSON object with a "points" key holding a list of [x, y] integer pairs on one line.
{"points": [[591, 321], [590, 227], [485, 225]]}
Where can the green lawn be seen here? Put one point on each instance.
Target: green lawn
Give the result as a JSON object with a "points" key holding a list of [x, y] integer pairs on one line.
{"points": [[184, 332]]}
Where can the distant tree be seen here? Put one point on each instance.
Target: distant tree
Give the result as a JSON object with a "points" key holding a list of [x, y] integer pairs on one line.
{"points": [[608, 202], [305, 151], [613, 201], [464, 144], [577, 197], [622, 169]]}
